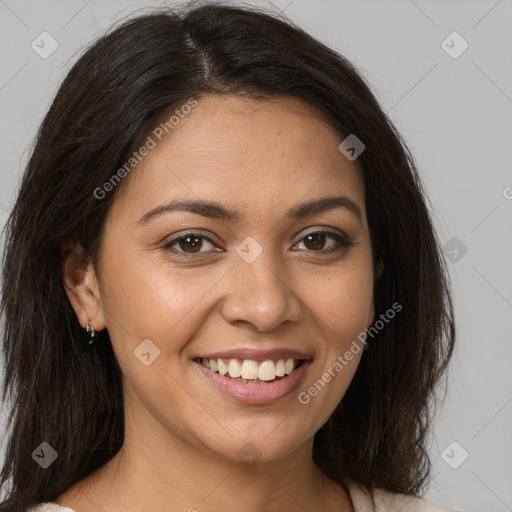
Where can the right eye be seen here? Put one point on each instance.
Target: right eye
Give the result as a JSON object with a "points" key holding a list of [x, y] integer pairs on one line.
{"points": [[189, 243]]}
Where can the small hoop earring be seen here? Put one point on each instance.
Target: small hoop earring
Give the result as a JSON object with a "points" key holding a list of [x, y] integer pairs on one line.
{"points": [[90, 332]]}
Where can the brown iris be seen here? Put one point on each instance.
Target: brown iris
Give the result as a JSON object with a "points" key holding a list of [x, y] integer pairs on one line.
{"points": [[316, 239], [191, 242]]}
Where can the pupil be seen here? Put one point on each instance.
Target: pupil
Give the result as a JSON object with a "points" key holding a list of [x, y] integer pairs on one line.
{"points": [[317, 238], [193, 241]]}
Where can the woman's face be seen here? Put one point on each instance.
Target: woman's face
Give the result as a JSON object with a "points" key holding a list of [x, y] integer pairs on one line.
{"points": [[260, 285]]}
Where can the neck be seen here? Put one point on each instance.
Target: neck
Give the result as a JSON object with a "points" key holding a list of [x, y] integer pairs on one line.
{"points": [[164, 472]]}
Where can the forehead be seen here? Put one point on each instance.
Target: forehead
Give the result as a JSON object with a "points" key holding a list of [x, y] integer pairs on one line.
{"points": [[252, 154]]}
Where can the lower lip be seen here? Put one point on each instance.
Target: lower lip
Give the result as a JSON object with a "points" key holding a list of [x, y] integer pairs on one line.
{"points": [[256, 393]]}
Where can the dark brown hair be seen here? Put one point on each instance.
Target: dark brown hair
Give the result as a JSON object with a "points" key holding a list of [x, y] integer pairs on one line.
{"points": [[70, 396]]}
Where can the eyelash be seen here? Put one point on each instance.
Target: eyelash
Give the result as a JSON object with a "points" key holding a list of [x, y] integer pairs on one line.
{"points": [[342, 240]]}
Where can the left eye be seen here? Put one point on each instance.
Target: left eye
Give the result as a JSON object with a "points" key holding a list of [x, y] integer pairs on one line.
{"points": [[189, 244], [192, 243], [317, 238]]}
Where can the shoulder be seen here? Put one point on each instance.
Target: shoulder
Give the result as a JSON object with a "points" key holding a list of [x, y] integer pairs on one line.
{"points": [[380, 500], [50, 507], [386, 501]]}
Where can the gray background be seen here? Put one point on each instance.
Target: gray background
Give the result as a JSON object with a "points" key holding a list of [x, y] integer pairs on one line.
{"points": [[456, 116]]}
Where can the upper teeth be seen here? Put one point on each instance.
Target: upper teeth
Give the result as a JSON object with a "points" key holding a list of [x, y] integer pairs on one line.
{"points": [[250, 369]]}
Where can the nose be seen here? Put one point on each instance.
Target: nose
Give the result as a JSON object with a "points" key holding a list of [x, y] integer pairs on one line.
{"points": [[260, 294]]}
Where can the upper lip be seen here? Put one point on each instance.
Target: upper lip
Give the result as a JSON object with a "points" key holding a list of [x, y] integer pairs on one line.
{"points": [[256, 355]]}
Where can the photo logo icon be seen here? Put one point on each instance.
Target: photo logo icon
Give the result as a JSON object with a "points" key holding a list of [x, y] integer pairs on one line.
{"points": [[44, 45], [454, 45], [45, 455], [455, 249], [352, 147], [249, 454], [147, 352], [454, 455], [249, 250]]}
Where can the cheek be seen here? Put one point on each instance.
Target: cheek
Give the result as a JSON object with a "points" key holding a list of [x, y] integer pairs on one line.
{"points": [[146, 296], [342, 305], [343, 302]]}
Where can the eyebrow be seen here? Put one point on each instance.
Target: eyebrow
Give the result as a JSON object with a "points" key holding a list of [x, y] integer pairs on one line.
{"points": [[214, 210]]}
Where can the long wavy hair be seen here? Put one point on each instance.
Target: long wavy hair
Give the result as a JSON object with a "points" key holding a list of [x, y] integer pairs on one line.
{"points": [[61, 391]]}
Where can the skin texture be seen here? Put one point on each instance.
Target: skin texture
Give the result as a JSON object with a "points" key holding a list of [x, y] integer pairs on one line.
{"points": [[182, 435]]}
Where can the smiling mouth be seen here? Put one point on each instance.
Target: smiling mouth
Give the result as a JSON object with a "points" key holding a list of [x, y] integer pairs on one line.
{"points": [[250, 371]]}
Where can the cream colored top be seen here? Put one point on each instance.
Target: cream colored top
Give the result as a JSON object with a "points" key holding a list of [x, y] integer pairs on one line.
{"points": [[363, 500]]}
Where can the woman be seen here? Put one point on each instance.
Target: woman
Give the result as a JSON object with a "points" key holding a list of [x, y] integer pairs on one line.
{"points": [[222, 287]]}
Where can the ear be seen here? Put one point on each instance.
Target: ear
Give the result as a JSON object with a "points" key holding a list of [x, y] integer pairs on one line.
{"points": [[81, 285], [378, 270]]}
